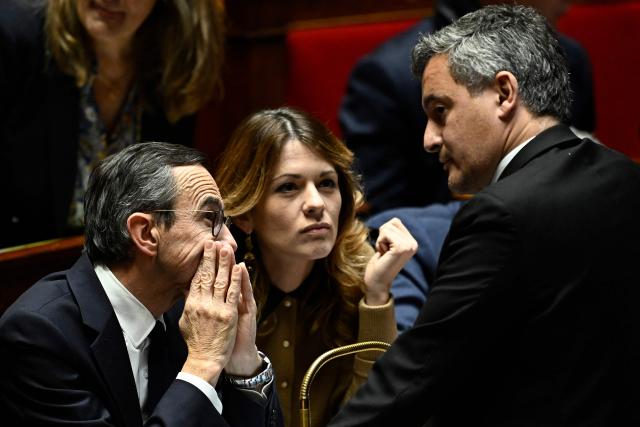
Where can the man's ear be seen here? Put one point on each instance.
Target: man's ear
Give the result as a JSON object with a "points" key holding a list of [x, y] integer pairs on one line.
{"points": [[506, 86], [144, 233], [244, 222]]}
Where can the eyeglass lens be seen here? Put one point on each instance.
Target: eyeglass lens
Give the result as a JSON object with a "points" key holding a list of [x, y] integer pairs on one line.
{"points": [[220, 220]]}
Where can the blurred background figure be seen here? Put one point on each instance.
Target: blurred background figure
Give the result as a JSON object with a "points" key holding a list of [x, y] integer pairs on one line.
{"points": [[287, 183], [383, 123], [83, 79], [429, 225]]}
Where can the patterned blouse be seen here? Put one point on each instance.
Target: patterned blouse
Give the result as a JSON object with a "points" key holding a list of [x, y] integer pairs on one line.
{"points": [[95, 142]]}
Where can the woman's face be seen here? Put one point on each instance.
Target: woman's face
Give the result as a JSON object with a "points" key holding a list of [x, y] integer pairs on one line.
{"points": [[297, 218], [113, 21]]}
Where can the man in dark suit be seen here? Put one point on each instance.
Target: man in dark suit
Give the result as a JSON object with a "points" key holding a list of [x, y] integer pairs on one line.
{"points": [[383, 123], [533, 317], [155, 324]]}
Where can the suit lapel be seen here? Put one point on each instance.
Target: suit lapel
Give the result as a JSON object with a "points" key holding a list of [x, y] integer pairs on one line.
{"points": [[109, 349], [543, 142]]}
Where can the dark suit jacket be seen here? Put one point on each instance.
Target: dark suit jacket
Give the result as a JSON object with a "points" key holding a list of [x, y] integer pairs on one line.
{"points": [[382, 120], [533, 318], [383, 123], [39, 130], [63, 358]]}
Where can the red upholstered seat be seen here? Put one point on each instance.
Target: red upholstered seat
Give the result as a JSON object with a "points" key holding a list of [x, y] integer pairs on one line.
{"points": [[320, 60], [611, 35]]}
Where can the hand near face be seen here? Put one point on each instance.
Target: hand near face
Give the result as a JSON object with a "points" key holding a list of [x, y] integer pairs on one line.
{"points": [[245, 361], [209, 322], [394, 247]]}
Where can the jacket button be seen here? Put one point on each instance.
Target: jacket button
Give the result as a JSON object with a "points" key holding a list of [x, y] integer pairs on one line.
{"points": [[286, 343]]}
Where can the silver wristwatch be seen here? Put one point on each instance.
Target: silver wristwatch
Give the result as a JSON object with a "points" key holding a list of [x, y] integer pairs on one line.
{"points": [[258, 384]]}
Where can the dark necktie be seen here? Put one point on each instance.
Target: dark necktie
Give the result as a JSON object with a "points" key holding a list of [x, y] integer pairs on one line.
{"points": [[158, 364]]}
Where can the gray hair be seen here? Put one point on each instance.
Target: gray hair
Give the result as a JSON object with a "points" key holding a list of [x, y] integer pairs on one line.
{"points": [[136, 179], [498, 38]]}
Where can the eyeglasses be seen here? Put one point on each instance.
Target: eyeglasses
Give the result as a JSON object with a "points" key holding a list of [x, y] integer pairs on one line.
{"points": [[217, 218]]}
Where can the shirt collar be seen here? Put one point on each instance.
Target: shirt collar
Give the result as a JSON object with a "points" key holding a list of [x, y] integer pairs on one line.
{"points": [[275, 295], [135, 319], [507, 159]]}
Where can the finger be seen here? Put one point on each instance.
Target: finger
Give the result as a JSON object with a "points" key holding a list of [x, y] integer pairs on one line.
{"points": [[203, 278], [395, 236], [233, 294], [385, 238], [402, 229], [394, 227], [393, 222], [382, 245], [225, 262], [404, 240], [246, 288], [216, 257]]}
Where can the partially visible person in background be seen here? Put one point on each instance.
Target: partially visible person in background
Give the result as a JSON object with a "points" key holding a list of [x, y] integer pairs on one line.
{"points": [[383, 123], [429, 225], [83, 79], [288, 185]]}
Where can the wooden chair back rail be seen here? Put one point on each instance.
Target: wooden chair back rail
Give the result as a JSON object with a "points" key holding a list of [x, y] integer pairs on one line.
{"points": [[21, 266]]}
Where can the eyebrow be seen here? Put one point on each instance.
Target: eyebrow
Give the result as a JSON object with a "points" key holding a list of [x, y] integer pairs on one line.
{"points": [[211, 203], [298, 176]]}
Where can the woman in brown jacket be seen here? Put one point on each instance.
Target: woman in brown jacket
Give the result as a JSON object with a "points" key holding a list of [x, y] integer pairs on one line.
{"points": [[288, 185]]}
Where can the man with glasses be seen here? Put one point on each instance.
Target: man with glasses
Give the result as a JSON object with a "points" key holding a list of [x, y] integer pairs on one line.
{"points": [[154, 324]]}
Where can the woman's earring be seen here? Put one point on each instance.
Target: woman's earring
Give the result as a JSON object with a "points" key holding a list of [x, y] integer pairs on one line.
{"points": [[249, 258]]}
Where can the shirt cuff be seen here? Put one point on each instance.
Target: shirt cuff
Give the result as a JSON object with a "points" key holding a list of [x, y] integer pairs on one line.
{"points": [[204, 387]]}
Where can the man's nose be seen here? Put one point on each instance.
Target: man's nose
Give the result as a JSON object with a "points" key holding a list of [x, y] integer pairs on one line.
{"points": [[432, 138], [226, 236]]}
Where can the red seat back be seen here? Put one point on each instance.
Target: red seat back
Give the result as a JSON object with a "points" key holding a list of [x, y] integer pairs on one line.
{"points": [[611, 35], [320, 61]]}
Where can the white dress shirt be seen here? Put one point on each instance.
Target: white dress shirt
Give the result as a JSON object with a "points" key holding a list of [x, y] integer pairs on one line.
{"points": [[511, 154], [137, 322], [507, 159]]}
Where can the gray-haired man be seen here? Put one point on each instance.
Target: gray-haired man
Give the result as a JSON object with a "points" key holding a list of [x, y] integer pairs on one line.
{"points": [[532, 319]]}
